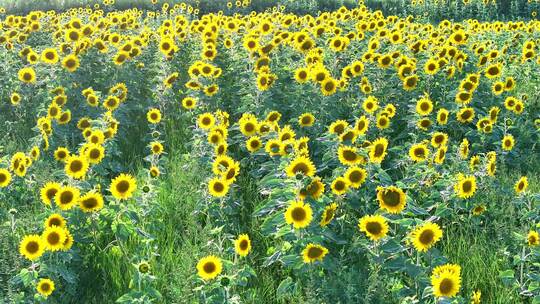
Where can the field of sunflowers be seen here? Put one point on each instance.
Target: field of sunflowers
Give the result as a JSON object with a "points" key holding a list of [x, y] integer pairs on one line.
{"points": [[226, 152]]}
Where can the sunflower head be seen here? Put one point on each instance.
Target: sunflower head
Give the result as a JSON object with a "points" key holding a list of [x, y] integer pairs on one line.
{"points": [[209, 267], [374, 226]]}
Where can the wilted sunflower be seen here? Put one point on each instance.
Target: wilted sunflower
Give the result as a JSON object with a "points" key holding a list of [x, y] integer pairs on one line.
{"points": [[299, 214], [374, 226], [446, 280], [54, 238], [218, 187], [521, 185], [5, 178], [313, 252], [300, 165], [242, 245], [123, 186], [465, 186], [419, 152], [45, 287], [209, 267], [425, 236], [533, 238], [377, 150], [76, 167], [392, 199], [328, 214], [32, 247]]}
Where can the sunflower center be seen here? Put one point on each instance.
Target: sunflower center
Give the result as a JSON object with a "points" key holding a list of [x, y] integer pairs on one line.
{"points": [[27, 76], [66, 197], [243, 244], [349, 155], [467, 186], [446, 286], [379, 150], [298, 214], [90, 202], [374, 227], [94, 154], [76, 166], [355, 176], [391, 198], [419, 152], [314, 252], [249, 127], [51, 193], [55, 222], [45, 287], [426, 237], [53, 238], [301, 168], [218, 187], [209, 267], [339, 185], [122, 186], [3, 178], [32, 247]]}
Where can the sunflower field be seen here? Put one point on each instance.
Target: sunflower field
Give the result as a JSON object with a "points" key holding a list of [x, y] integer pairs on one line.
{"points": [[270, 151]]}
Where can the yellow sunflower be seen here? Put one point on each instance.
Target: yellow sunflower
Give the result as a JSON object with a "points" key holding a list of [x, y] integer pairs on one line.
{"points": [[446, 281], [521, 185], [5, 178], [253, 144], [355, 176], [153, 116], [313, 252], [392, 199], [32, 247], [508, 142], [76, 167], [300, 165], [209, 267], [91, 202], [349, 156], [123, 186], [48, 192], [340, 185], [54, 238], [27, 75], [242, 245], [533, 238], [374, 226], [424, 106], [299, 214], [328, 214], [66, 197], [425, 236], [45, 287], [218, 187], [465, 186], [306, 120], [55, 219], [419, 152], [377, 150]]}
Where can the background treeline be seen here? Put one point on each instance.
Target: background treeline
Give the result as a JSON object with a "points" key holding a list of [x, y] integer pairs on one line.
{"points": [[427, 10]]}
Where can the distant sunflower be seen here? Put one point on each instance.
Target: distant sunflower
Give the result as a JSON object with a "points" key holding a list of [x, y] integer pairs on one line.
{"points": [[91, 202], [479, 209], [377, 150], [54, 238], [32, 247], [313, 252], [508, 142], [299, 214], [189, 103], [306, 120], [55, 219], [446, 281], [328, 214], [218, 187], [242, 245], [356, 176], [340, 185], [328, 86], [94, 153], [440, 155], [123, 186], [425, 236], [374, 226], [521, 185], [66, 197], [465, 186], [439, 139], [209, 267], [71, 63], [5, 178], [300, 165], [533, 238], [392, 199], [76, 167], [419, 152], [315, 189], [153, 116], [45, 287]]}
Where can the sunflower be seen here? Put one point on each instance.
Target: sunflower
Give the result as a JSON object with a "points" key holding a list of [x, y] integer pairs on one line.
{"points": [[111, 103], [439, 139], [45, 287], [383, 121], [440, 155], [465, 186], [27, 75], [5, 178], [153, 116], [313, 252], [249, 126], [521, 185], [54, 238], [123, 186], [315, 189], [442, 117], [66, 197], [15, 98], [189, 103], [425, 236], [508, 142], [377, 150], [361, 125], [71, 63], [338, 127], [91, 202], [300, 165], [409, 82], [465, 115], [49, 56], [349, 155], [328, 214], [355, 176], [76, 167], [476, 297], [493, 71], [32, 247], [218, 187], [306, 120], [491, 167], [374, 226], [533, 239], [446, 280], [424, 106], [370, 104], [299, 214], [392, 199], [48, 192], [340, 186], [55, 219], [68, 242], [209, 267], [253, 144], [419, 152], [242, 245], [328, 86], [479, 209], [464, 149], [94, 153]]}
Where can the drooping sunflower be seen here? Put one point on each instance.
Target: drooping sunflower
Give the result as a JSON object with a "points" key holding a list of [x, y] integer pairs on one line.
{"points": [[392, 199], [374, 226], [299, 214], [32, 247], [377, 150], [465, 186], [300, 165], [446, 280], [55, 219], [5, 178], [76, 166], [355, 176], [218, 187], [419, 152], [123, 186], [209, 267], [425, 236], [54, 238], [521, 185], [66, 197], [328, 214], [91, 202], [508, 142], [45, 287], [313, 252], [68, 242], [153, 116], [533, 238], [242, 245]]}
